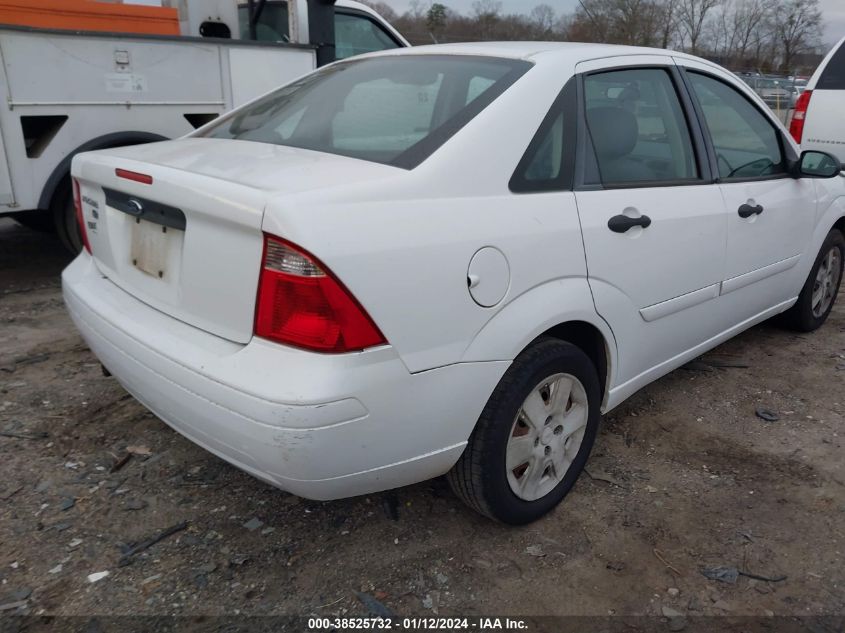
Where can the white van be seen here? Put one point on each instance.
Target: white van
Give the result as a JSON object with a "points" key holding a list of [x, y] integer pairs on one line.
{"points": [[819, 119]]}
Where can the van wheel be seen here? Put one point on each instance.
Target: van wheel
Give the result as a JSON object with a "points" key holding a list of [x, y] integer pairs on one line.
{"points": [[821, 288], [534, 435], [64, 218]]}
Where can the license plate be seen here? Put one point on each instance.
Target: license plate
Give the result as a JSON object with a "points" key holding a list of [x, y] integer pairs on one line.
{"points": [[151, 247]]}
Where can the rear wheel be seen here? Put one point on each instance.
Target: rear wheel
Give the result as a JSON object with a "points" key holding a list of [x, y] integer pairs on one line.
{"points": [[821, 288], [64, 218], [533, 437]]}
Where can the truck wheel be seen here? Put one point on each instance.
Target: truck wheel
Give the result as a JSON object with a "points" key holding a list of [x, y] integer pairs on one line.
{"points": [[64, 218], [40, 221], [819, 292], [534, 435]]}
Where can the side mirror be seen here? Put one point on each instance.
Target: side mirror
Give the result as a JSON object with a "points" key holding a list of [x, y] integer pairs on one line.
{"points": [[818, 165]]}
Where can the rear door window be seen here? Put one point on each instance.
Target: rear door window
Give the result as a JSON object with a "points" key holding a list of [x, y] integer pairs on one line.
{"points": [[833, 75], [638, 128]]}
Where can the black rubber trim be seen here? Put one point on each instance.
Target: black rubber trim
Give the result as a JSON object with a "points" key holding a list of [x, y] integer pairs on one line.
{"points": [[143, 209], [696, 128]]}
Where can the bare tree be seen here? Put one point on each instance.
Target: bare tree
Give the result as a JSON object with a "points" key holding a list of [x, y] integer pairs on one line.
{"points": [[692, 16], [486, 14], [633, 22], [764, 35], [591, 23], [544, 18], [667, 22], [797, 28], [482, 8], [419, 8], [750, 26], [383, 9]]}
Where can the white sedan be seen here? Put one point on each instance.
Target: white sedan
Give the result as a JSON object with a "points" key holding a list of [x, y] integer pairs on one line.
{"points": [[447, 259]]}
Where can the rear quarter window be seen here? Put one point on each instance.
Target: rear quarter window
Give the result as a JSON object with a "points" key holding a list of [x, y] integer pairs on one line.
{"points": [[833, 75]]}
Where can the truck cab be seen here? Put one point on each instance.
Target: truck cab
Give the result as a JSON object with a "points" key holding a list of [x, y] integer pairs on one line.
{"points": [[358, 29]]}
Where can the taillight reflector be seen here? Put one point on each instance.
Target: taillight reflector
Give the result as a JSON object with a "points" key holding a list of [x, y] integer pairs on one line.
{"points": [[300, 303], [134, 175], [80, 219], [799, 116]]}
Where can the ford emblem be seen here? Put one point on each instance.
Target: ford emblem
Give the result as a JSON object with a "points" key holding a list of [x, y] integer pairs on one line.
{"points": [[135, 207]]}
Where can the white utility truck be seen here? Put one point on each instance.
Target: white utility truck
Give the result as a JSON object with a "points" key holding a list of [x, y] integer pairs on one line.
{"points": [[64, 92]]}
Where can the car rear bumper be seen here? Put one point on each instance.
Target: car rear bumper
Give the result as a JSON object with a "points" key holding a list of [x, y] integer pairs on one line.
{"points": [[317, 425]]}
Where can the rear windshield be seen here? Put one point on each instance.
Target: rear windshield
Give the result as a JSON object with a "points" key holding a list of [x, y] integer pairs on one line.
{"points": [[833, 75], [392, 110]]}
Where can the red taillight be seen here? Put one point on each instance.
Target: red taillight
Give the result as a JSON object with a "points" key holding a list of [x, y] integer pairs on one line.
{"points": [[796, 126], [80, 219], [300, 303], [144, 179]]}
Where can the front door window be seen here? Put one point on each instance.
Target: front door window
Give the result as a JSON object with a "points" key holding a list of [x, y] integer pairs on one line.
{"points": [[747, 144], [638, 128]]}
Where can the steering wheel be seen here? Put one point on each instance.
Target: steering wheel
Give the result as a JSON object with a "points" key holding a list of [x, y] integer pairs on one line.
{"points": [[764, 165]]}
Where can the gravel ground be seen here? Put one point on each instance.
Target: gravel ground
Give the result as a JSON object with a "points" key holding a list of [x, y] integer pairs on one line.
{"points": [[684, 478]]}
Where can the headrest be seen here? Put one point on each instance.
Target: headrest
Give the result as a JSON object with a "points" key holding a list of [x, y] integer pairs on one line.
{"points": [[614, 130]]}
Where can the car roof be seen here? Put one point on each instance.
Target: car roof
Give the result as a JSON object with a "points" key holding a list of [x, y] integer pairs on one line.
{"points": [[571, 52]]}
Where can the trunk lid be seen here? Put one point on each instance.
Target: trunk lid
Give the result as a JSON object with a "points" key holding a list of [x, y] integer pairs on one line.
{"points": [[190, 243]]}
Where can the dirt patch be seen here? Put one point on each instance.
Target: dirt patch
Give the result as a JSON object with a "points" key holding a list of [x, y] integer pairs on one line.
{"points": [[684, 477]]}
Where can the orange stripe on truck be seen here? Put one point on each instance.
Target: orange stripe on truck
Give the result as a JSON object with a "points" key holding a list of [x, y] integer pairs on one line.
{"points": [[89, 15]]}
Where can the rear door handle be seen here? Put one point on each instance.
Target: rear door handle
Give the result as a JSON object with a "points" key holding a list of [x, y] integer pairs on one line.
{"points": [[624, 223], [746, 210]]}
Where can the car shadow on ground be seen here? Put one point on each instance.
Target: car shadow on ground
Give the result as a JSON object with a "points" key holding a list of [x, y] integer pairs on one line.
{"points": [[29, 258]]}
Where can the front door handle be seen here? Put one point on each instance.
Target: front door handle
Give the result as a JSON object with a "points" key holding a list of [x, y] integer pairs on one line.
{"points": [[624, 223], [746, 210]]}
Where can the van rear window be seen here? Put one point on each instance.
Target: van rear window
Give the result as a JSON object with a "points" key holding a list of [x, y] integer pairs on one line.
{"points": [[833, 75], [395, 110]]}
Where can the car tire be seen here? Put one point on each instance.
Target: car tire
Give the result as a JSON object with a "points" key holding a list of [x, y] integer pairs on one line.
{"points": [[487, 476], [821, 288], [64, 219]]}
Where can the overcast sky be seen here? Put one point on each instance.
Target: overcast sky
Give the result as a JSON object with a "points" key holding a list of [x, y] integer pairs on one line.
{"points": [[833, 11]]}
